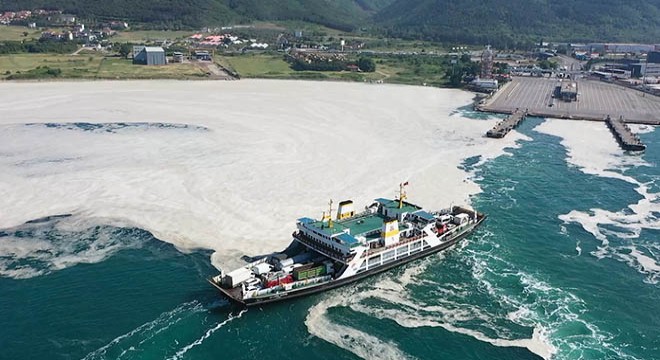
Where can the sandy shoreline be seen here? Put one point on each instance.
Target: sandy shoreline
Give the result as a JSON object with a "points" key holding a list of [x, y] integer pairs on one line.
{"points": [[273, 151]]}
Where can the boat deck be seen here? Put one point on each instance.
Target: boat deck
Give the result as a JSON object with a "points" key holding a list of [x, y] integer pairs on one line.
{"points": [[234, 294]]}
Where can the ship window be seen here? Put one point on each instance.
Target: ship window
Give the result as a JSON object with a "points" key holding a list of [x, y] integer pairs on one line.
{"points": [[388, 256], [373, 261], [424, 244], [402, 251], [415, 245]]}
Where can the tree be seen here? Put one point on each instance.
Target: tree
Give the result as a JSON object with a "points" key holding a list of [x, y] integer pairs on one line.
{"points": [[366, 64], [547, 64], [123, 49]]}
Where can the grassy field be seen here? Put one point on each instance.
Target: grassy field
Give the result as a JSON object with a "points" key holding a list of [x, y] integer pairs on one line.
{"points": [[257, 65], [388, 70], [262, 65], [149, 35], [115, 68], [16, 33], [33, 66], [274, 66]]}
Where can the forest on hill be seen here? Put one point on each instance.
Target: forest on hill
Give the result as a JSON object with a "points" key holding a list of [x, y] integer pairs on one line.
{"points": [[181, 14], [503, 23]]}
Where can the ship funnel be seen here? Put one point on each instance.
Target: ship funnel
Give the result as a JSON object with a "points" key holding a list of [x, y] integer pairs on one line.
{"points": [[345, 210], [390, 232]]}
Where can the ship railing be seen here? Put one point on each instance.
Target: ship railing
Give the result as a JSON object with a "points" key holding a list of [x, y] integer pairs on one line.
{"points": [[307, 282], [400, 242], [291, 286], [316, 245]]}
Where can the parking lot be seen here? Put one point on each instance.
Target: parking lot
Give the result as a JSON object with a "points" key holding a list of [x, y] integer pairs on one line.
{"points": [[596, 100]]}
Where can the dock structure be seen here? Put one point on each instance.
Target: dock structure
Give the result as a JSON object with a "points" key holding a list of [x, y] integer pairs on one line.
{"points": [[624, 136], [505, 126], [594, 101]]}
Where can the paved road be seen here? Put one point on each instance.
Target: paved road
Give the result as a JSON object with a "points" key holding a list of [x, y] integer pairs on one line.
{"points": [[596, 100]]}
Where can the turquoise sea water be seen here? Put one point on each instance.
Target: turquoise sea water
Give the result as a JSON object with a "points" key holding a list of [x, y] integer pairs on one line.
{"points": [[526, 283]]}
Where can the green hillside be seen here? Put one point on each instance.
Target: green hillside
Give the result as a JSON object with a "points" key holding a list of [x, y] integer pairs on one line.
{"points": [[159, 13], [499, 22], [505, 22], [340, 14]]}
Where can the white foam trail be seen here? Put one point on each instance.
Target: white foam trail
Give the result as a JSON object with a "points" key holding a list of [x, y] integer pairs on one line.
{"points": [[538, 344], [358, 342], [179, 354], [414, 314], [553, 311], [641, 129], [149, 329], [594, 151], [273, 151], [410, 314]]}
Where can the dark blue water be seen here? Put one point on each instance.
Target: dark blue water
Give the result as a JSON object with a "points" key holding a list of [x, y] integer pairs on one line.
{"points": [[525, 284]]}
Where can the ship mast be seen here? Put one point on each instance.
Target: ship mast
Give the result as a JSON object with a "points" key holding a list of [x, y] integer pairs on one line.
{"points": [[329, 216], [402, 193]]}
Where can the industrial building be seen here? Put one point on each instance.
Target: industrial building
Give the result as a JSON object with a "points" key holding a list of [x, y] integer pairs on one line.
{"points": [[653, 57], [149, 55], [485, 85], [645, 70], [568, 91]]}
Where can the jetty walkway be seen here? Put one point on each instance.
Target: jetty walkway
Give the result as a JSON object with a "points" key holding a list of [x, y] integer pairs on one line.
{"points": [[623, 135], [505, 126]]}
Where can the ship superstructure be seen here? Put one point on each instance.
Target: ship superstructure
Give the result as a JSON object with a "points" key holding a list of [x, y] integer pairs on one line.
{"points": [[334, 251]]}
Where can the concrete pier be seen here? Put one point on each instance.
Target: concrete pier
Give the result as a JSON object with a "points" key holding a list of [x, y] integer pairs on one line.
{"points": [[595, 101], [623, 135], [503, 127]]}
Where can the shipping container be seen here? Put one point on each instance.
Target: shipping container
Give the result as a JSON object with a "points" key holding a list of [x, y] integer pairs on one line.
{"points": [[308, 273], [237, 276]]}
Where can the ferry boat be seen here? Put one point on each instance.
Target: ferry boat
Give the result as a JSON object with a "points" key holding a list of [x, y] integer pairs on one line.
{"points": [[329, 253]]}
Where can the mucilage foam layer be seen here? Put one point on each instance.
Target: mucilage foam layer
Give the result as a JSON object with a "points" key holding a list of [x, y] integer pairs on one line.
{"points": [[228, 166]]}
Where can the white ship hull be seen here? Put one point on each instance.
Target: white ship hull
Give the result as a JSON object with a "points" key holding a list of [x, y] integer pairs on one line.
{"points": [[361, 264]]}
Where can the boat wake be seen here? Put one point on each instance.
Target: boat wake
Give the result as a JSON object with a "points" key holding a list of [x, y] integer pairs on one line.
{"points": [[358, 342], [394, 299], [162, 336], [179, 354], [496, 303], [124, 346]]}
